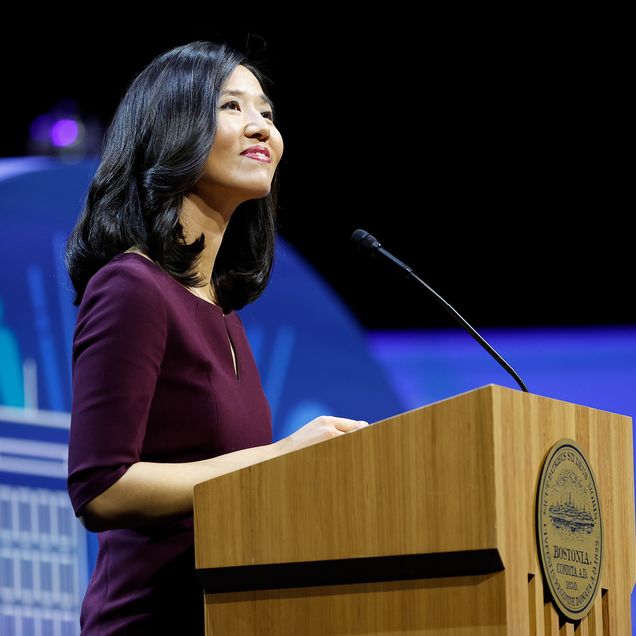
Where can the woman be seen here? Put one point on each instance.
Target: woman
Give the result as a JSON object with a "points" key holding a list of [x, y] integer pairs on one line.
{"points": [[176, 234]]}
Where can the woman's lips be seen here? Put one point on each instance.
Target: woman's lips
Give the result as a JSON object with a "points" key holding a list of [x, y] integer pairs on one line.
{"points": [[257, 157], [258, 152]]}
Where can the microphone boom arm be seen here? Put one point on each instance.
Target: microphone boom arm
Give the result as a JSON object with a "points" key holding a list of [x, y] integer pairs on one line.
{"points": [[455, 314], [366, 240]]}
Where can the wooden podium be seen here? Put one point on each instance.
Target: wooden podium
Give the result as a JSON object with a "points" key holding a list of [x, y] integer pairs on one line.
{"points": [[422, 523]]}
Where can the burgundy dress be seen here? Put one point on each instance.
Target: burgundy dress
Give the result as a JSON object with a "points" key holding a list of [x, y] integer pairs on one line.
{"points": [[153, 380]]}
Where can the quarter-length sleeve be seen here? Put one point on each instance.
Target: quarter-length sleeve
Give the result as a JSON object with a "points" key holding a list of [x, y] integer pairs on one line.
{"points": [[118, 347]]}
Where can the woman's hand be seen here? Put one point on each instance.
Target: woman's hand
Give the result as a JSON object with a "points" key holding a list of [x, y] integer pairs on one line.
{"points": [[321, 428]]}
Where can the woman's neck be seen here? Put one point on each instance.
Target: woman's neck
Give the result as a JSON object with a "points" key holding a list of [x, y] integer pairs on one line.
{"points": [[198, 218]]}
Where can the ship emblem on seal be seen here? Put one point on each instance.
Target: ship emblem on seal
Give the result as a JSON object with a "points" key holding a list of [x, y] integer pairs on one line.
{"points": [[569, 529]]}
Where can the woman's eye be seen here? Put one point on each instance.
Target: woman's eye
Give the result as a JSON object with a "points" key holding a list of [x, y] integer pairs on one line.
{"points": [[266, 113]]}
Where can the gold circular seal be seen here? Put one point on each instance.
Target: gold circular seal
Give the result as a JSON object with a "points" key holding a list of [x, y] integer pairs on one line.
{"points": [[569, 529]]}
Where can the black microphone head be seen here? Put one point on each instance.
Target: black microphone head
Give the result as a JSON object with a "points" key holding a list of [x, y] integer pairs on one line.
{"points": [[365, 240]]}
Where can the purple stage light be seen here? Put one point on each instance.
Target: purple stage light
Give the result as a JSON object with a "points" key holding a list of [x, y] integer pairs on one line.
{"points": [[64, 132]]}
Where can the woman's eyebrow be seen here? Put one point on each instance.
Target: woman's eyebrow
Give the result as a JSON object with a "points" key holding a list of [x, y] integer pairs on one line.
{"points": [[238, 93]]}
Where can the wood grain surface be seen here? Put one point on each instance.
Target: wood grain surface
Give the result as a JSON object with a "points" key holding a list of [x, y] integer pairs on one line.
{"points": [[455, 476]]}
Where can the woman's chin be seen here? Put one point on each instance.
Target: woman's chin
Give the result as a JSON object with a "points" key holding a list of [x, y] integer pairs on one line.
{"points": [[257, 193]]}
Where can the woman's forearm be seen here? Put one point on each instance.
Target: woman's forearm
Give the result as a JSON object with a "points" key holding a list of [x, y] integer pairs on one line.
{"points": [[149, 491]]}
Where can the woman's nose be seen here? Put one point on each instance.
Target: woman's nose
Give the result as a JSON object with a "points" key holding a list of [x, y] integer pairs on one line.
{"points": [[257, 126]]}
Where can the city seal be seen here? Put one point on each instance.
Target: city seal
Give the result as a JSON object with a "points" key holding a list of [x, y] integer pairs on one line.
{"points": [[569, 529]]}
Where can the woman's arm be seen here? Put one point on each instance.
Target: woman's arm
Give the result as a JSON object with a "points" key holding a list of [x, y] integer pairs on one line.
{"points": [[149, 491]]}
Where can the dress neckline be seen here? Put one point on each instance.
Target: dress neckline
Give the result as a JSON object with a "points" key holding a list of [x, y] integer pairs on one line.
{"points": [[172, 278]]}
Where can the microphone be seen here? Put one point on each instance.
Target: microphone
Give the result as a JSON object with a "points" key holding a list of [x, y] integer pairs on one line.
{"points": [[366, 241]]}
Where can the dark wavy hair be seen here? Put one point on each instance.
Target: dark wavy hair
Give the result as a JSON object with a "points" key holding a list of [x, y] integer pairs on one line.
{"points": [[154, 151]]}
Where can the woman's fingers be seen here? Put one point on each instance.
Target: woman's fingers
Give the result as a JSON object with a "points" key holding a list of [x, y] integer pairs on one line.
{"points": [[347, 425], [322, 428]]}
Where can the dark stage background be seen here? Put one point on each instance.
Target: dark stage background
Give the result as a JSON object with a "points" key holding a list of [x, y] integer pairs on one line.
{"points": [[489, 152]]}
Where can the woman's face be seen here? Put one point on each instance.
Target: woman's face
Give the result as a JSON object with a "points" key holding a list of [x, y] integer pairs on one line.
{"points": [[244, 123]]}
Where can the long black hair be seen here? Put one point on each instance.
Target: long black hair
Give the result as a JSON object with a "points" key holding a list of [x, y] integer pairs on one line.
{"points": [[154, 151]]}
